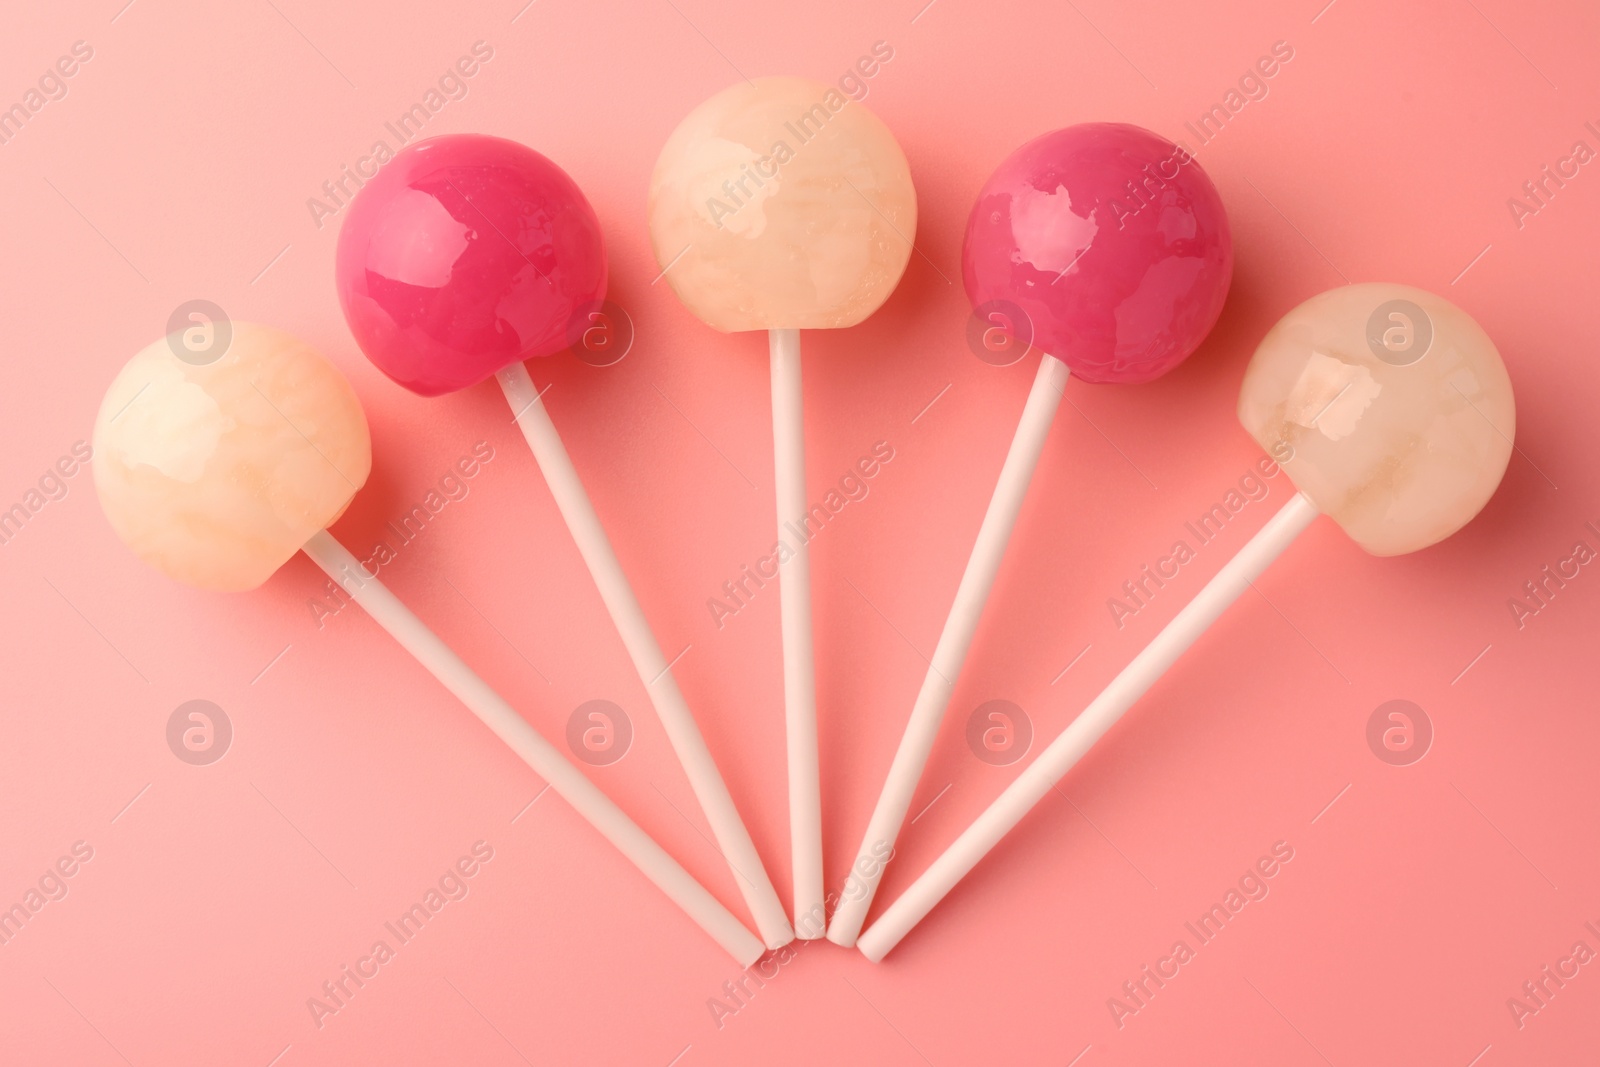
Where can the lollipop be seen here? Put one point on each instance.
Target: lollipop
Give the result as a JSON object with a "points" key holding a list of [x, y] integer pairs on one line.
{"points": [[1107, 248], [781, 205], [1390, 410], [218, 473], [465, 256]]}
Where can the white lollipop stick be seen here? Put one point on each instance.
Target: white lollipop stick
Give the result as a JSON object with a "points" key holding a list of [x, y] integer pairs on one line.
{"points": [[709, 789], [950, 653], [1126, 688], [569, 782], [799, 667]]}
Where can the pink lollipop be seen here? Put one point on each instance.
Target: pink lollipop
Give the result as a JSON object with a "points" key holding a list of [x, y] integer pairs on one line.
{"points": [[1111, 242], [465, 256], [1108, 248]]}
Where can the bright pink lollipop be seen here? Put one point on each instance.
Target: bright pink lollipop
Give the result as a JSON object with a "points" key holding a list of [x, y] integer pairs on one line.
{"points": [[465, 256], [1111, 242], [1108, 248]]}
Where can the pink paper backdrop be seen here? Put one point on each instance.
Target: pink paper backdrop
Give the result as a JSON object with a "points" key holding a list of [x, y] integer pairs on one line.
{"points": [[219, 898]]}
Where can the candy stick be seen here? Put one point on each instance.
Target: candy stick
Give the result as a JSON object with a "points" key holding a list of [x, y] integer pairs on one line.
{"points": [[1037, 779], [465, 256], [759, 224], [1057, 256], [1390, 410], [951, 652], [645, 651], [566, 779], [218, 472], [794, 595]]}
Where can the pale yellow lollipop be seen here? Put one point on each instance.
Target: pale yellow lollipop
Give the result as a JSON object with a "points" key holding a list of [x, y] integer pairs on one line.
{"points": [[218, 472], [1389, 407], [218, 466], [782, 203]]}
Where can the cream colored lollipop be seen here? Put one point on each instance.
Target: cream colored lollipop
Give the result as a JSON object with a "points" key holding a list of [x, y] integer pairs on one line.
{"points": [[1388, 407], [217, 472], [782, 205]]}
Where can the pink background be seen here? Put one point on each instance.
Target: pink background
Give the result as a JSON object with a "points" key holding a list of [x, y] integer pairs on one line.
{"points": [[178, 166]]}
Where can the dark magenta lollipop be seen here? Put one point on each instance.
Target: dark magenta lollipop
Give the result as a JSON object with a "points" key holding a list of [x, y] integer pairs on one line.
{"points": [[465, 254], [1111, 242]]}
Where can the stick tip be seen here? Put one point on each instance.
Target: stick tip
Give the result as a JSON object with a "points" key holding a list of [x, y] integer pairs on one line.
{"points": [[874, 947]]}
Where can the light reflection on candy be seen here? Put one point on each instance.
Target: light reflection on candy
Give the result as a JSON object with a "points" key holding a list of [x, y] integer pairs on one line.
{"points": [[1385, 403], [1388, 407]]}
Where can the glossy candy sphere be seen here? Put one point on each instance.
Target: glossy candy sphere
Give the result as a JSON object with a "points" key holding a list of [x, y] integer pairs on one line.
{"points": [[782, 203], [218, 473], [1389, 407], [464, 255], [1104, 245]]}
